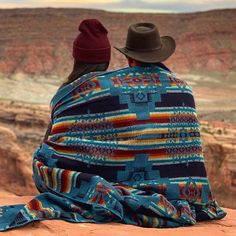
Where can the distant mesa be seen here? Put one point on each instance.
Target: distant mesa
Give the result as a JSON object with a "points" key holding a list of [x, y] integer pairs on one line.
{"points": [[39, 41]]}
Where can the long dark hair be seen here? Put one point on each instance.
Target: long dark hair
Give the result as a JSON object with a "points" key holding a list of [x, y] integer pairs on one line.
{"points": [[80, 69]]}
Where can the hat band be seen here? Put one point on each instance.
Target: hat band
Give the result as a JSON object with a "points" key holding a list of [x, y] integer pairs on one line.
{"points": [[143, 50]]}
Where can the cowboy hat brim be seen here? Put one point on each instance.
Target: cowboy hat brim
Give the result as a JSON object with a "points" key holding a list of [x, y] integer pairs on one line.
{"points": [[153, 56]]}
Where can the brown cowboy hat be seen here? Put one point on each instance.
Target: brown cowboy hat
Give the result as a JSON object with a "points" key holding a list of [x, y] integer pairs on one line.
{"points": [[144, 44]]}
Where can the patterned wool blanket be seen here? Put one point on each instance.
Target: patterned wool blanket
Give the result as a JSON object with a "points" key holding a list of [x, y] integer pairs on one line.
{"points": [[124, 147]]}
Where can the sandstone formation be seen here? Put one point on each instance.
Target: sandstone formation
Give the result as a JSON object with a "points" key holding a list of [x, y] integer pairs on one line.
{"points": [[224, 227], [16, 174], [220, 156], [219, 148], [39, 41], [27, 121]]}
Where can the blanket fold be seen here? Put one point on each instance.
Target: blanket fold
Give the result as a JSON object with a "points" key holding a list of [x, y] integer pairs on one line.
{"points": [[124, 147]]}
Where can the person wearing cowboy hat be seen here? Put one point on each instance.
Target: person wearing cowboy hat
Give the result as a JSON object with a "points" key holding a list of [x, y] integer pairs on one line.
{"points": [[145, 46]]}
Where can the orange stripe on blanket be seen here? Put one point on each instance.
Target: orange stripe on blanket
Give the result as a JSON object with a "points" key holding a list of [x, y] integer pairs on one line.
{"points": [[40, 173], [118, 121], [34, 204], [66, 181], [124, 155]]}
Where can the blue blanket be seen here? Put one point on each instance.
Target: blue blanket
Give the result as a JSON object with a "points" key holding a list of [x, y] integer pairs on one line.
{"points": [[124, 146]]}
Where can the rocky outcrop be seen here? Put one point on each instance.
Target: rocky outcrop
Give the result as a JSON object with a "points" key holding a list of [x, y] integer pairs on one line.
{"points": [[23, 115], [220, 160], [224, 227], [21, 130], [27, 121], [16, 173], [22, 127], [219, 145], [219, 148]]}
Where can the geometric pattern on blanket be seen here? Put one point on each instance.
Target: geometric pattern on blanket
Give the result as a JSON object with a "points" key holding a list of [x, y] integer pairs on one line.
{"points": [[125, 146]]}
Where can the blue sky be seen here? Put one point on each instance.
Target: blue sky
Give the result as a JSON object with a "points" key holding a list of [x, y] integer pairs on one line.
{"points": [[127, 5]]}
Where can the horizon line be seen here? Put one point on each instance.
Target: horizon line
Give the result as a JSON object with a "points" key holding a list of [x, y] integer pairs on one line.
{"points": [[120, 10]]}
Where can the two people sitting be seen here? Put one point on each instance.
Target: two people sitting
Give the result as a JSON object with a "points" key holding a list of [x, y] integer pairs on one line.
{"points": [[122, 146]]}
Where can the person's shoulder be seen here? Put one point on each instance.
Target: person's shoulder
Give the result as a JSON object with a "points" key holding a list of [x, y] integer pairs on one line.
{"points": [[122, 72], [175, 79], [181, 82]]}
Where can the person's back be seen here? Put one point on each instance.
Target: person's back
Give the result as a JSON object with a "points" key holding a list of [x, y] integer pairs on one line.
{"points": [[134, 128], [133, 118]]}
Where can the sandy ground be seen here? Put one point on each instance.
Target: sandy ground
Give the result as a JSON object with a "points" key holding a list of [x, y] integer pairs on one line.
{"points": [[224, 227]]}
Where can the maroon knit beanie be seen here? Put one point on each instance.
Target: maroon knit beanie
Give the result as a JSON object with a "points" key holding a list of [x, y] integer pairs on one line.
{"points": [[92, 44]]}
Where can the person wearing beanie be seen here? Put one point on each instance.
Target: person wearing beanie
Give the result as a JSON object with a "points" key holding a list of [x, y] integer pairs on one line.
{"points": [[92, 44], [91, 53], [91, 49]]}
